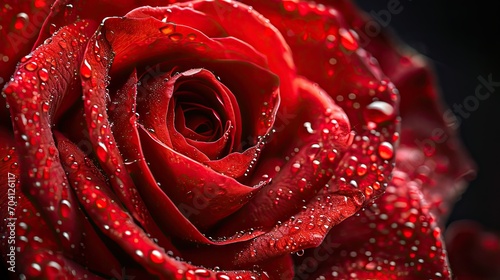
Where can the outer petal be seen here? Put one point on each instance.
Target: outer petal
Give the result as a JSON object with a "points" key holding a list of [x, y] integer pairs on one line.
{"points": [[35, 94], [30, 249], [396, 237], [351, 77], [20, 22], [434, 154], [474, 252], [125, 122]]}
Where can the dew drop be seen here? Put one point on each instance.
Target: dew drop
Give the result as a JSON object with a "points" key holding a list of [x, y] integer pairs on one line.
{"points": [[21, 20], [101, 203], [167, 29], [361, 170], [378, 112], [332, 155], [308, 127], [62, 44], [370, 266], [102, 152], [295, 167], [31, 66], [348, 39], [34, 270], [189, 275], [156, 256], [43, 74], [86, 70], [222, 276], [386, 150], [175, 37], [65, 208], [202, 272], [359, 198]]}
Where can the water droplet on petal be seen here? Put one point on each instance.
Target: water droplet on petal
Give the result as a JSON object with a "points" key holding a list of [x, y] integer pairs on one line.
{"points": [[43, 74], [156, 256], [34, 270], [175, 37], [31, 66], [361, 170], [370, 266], [86, 70], [359, 198], [101, 203], [102, 152], [222, 276], [348, 39], [21, 20], [62, 44], [378, 112], [386, 150], [202, 272], [167, 29], [295, 167], [65, 208]]}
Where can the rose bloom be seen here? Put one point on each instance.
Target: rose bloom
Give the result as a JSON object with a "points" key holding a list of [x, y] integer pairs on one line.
{"points": [[220, 140]]}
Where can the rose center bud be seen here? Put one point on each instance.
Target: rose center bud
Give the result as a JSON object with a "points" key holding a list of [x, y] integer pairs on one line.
{"points": [[221, 123], [202, 117], [202, 114], [197, 122]]}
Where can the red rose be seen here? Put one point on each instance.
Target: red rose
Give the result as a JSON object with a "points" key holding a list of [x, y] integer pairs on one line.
{"points": [[219, 140]]}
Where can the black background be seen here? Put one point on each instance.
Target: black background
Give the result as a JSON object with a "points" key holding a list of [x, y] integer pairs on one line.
{"points": [[462, 42]]}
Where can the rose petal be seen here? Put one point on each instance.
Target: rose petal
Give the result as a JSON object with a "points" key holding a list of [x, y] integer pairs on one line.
{"points": [[394, 237], [159, 203], [304, 230], [20, 23], [257, 32], [428, 138], [351, 76], [99, 202], [307, 171], [158, 113], [474, 252], [210, 197], [35, 246], [28, 95]]}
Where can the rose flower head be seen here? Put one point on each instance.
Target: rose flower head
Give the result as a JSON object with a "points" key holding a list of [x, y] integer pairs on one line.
{"points": [[219, 140]]}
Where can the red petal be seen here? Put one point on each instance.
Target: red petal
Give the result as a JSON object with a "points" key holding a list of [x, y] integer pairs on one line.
{"points": [[34, 97], [99, 203], [159, 203], [352, 78], [20, 21], [158, 112], [474, 252], [395, 237], [209, 196], [432, 151], [38, 254], [309, 168]]}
